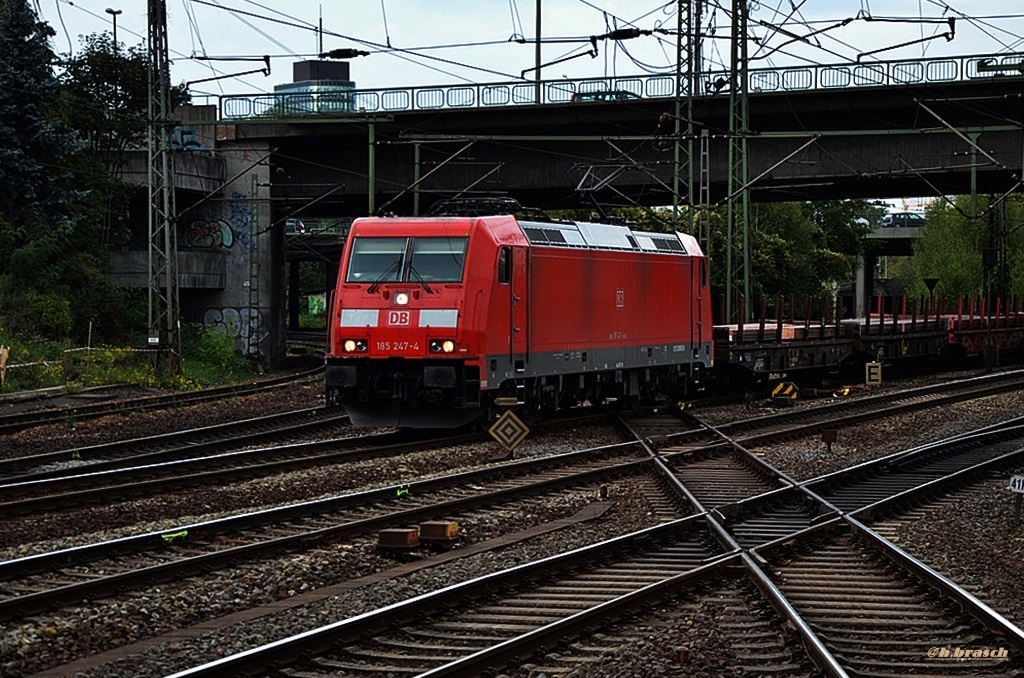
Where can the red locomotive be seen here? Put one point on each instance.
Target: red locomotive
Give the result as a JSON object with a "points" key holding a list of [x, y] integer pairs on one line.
{"points": [[435, 321]]}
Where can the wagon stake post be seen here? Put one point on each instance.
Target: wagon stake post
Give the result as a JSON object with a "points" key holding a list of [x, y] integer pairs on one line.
{"points": [[829, 436]]}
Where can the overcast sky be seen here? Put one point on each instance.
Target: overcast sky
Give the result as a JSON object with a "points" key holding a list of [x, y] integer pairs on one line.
{"points": [[439, 41]]}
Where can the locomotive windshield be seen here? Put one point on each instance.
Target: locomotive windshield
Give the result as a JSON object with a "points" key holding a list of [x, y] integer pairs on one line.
{"points": [[377, 259], [437, 259], [425, 260]]}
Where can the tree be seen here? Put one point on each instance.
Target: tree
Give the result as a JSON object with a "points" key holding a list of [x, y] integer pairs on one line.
{"points": [[790, 253], [34, 183], [104, 94], [952, 243], [103, 99], [37, 213], [53, 197], [843, 223]]}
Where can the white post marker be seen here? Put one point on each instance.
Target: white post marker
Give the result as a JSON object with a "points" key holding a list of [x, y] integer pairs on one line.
{"points": [[1017, 486], [873, 374]]}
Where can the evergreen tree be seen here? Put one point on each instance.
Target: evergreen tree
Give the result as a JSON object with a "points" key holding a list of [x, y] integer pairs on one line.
{"points": [[31, 148], [53, 265]]}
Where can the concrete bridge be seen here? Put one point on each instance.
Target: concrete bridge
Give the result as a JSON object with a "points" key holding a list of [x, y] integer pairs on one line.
{"points": [[886, 129]]}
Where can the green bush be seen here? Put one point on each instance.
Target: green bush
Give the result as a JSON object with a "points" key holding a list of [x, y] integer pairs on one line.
{"points": [[38, 316], [209, 356]]}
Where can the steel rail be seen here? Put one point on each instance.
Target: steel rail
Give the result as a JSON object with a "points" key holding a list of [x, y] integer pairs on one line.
{"points": [[97, 457], [994, 621], [96, 485], [314, 641], [10, 423], [40, 601], [348, 630], [67, 490]]}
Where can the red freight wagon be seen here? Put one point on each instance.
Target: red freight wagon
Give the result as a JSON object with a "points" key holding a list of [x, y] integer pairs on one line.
{"points": [[436, 320]]}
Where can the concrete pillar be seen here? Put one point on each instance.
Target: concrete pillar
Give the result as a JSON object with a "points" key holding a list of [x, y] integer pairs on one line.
{"points": [[252, 303], [865, 283]]}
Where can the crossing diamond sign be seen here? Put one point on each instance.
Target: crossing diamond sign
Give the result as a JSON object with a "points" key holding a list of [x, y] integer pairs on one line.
{"points": [[509, 430]]}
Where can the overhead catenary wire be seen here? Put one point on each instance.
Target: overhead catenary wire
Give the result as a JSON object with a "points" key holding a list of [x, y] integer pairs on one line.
{"points": [[381, 48], [197, 35]]}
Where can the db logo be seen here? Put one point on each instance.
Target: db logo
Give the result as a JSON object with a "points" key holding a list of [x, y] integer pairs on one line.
{"points": [[398, 318]]}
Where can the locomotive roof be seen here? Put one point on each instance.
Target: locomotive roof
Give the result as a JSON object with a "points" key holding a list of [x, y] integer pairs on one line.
{"points": [[607, 237], [572, 234]]}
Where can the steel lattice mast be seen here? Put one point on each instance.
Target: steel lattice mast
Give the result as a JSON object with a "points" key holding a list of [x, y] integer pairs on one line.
{"points": [[738, 200], [163, 245]]}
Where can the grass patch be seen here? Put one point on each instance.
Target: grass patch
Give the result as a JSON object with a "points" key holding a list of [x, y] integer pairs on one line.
{"points": [[209, 359]]}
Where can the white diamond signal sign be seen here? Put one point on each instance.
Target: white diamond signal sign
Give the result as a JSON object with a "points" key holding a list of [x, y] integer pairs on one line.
{"points": [[509, 430]]}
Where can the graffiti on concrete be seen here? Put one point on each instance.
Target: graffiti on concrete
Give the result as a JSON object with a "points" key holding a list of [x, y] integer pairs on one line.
{"points": [[211, 234], [185, 139], [242, 323], [242, 218], [241, 213]]}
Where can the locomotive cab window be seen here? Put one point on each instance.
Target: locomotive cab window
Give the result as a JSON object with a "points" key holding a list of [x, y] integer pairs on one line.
{"points": [[377, 259], [436, 259], [504, 266]]}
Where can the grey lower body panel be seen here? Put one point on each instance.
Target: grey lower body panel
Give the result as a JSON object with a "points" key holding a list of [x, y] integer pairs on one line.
{"points": [[559, 363]]}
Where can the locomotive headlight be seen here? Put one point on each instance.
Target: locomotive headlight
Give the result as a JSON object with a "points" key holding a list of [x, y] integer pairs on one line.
{"points": [[442, 346], [353, 345], [402, 298]]}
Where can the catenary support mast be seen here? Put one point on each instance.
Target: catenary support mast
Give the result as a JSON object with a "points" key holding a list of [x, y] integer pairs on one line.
{"points": [[163, 246]]}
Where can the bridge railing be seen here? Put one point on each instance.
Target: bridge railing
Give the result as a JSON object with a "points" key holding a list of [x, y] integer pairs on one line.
{"points": [[791, 79]]}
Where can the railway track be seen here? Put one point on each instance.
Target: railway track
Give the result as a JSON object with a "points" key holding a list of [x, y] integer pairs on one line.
{"points": [[838, 413], [463, 629], [191, 462], [742, 547], [504, 631], [37, 583], [171, 446], [878, 612], [719, 628], [26, 495], [803, 505], [312, 339], [9, 423]]}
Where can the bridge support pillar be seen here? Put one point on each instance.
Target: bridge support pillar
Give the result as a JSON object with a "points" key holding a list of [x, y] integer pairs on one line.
{"points": [[864, 288]]}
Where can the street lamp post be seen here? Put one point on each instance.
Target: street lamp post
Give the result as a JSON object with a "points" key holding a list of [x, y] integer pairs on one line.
{"points": [[113, 13]]}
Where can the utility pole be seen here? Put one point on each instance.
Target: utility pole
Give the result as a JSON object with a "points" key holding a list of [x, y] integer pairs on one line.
{"points": [[738, 202], [536, 94], [163, 244], [687, 51]]}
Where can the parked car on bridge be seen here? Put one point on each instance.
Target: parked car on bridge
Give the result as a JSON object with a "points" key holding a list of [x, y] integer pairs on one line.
{"points": [[604, 95], [902, 220]]}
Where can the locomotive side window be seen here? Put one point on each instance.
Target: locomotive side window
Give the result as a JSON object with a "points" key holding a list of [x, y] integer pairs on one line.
{"points": [[377, 259], [505, 266], [437, 259]]}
